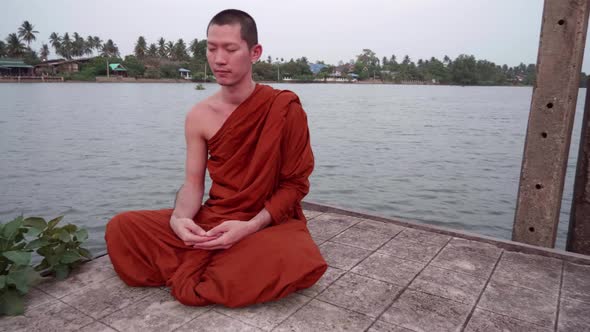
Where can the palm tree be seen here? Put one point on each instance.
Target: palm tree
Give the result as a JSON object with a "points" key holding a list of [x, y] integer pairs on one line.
{"points": [[180, 50], [89, 45], [55, 41], [27, 32], [162, 52], [152, 51], [446, 60], [15, 47], [170, 49], [3, 50], [140, 47], [77, 45], [44, 52], [109, 49], [97, 43], [65, 48], [194, 47]]}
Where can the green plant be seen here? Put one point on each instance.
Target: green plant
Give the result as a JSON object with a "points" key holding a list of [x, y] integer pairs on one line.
{"points": [[19, 238]]}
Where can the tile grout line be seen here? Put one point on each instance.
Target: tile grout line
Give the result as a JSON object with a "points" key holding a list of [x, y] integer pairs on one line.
{"points": [[315, 296], [235, 318], [481, 292], [119, 309], [83, 313], [373, 252], [294, 312], [335, 280], [559, 296], [514, 318], [436, 266], [342, 231], [196, 317], [403, 290]]}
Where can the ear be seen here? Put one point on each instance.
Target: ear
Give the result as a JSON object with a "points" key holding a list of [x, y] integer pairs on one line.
{"points": [[255, 53]]}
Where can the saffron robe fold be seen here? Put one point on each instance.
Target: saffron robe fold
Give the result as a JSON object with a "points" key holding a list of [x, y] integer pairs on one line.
{"points": [[261, 157]]}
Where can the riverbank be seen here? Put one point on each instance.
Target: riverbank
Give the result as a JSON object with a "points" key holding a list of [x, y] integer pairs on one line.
{"points": [[39, 79]]}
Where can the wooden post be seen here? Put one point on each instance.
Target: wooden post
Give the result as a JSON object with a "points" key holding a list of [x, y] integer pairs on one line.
{"points": [[559, 62], [578, 237]]}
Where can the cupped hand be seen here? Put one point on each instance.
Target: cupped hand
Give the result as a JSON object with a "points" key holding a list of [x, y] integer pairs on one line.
{"points": [[226, 234], [189, 232]]}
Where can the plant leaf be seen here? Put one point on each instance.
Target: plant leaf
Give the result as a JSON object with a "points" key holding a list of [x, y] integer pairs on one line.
{"points": [[35, 222], [18, 257], [11, 303], [54, 222], [43, 265], [52, 259], [37, 243], [85, 253], [2, 281], [33, 232], [82, 235], [22, 279], [61, 271], [64, 236], [60, 249], [11, 228], [70, 257], [70, 228]]}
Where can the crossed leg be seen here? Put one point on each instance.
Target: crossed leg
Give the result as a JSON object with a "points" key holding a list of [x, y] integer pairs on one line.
{"points": [[264, 266]]}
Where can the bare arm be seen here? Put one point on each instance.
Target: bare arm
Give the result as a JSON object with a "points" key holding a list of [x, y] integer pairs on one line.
{"points": [[190, 196]]}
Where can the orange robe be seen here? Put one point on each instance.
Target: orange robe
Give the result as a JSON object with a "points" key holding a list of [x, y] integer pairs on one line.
{"points": [[260, 158]]}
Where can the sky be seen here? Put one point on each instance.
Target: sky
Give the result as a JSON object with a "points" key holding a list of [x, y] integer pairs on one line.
{"points": [[501, 31]]}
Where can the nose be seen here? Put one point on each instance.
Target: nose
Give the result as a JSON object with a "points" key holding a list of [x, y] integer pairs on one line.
{"points": [[220, 58]]}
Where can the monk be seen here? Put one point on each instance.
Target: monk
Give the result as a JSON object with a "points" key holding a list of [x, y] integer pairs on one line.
{"points": [[248, 243]]}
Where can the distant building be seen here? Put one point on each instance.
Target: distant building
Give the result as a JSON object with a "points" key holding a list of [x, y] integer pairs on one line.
{"points": [[15, 67], [59, 66], [118, 70], [316, 67], [185, 73]]}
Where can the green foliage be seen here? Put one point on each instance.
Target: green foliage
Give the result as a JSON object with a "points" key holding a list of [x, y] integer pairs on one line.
{"points": [[169, 71], [263, 71], [89, 71], [134, 66], [60, 248]]}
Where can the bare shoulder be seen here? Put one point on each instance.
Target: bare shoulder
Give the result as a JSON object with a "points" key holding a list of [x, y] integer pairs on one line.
{"points": [[199, 115]]}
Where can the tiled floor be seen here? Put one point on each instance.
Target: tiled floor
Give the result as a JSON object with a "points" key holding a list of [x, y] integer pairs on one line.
{"points": [[382, 277]]}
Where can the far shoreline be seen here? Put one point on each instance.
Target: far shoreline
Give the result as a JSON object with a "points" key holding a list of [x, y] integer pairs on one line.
{"points": [[183, 81]]}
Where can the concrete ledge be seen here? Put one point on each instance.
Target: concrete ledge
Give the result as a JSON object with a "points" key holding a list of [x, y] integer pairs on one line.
{"points": [[505, 244]]}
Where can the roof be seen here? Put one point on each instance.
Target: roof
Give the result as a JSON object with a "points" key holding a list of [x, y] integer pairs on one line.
{"points": [[13, 63], [117, 67], [184, 70], [57, 62], [316, 67]]}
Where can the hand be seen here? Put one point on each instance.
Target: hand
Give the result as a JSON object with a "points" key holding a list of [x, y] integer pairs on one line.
{"points": [[189, 232], [228, 233]]}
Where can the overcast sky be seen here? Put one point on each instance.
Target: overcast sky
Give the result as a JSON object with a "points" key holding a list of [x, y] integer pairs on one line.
{"points": [[502, 31]]}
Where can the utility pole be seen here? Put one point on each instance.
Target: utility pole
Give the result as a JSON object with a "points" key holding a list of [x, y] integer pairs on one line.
{"points": [[278, 70], [549, 132]]}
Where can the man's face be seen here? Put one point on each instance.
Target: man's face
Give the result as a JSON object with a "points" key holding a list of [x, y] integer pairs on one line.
{"points": [[229, 55]]}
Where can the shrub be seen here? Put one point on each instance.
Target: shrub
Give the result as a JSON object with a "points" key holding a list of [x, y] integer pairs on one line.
{"points": [[19, 238]]}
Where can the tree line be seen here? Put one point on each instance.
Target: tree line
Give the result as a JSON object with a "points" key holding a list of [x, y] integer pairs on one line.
{"points": [[162, 59]]}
